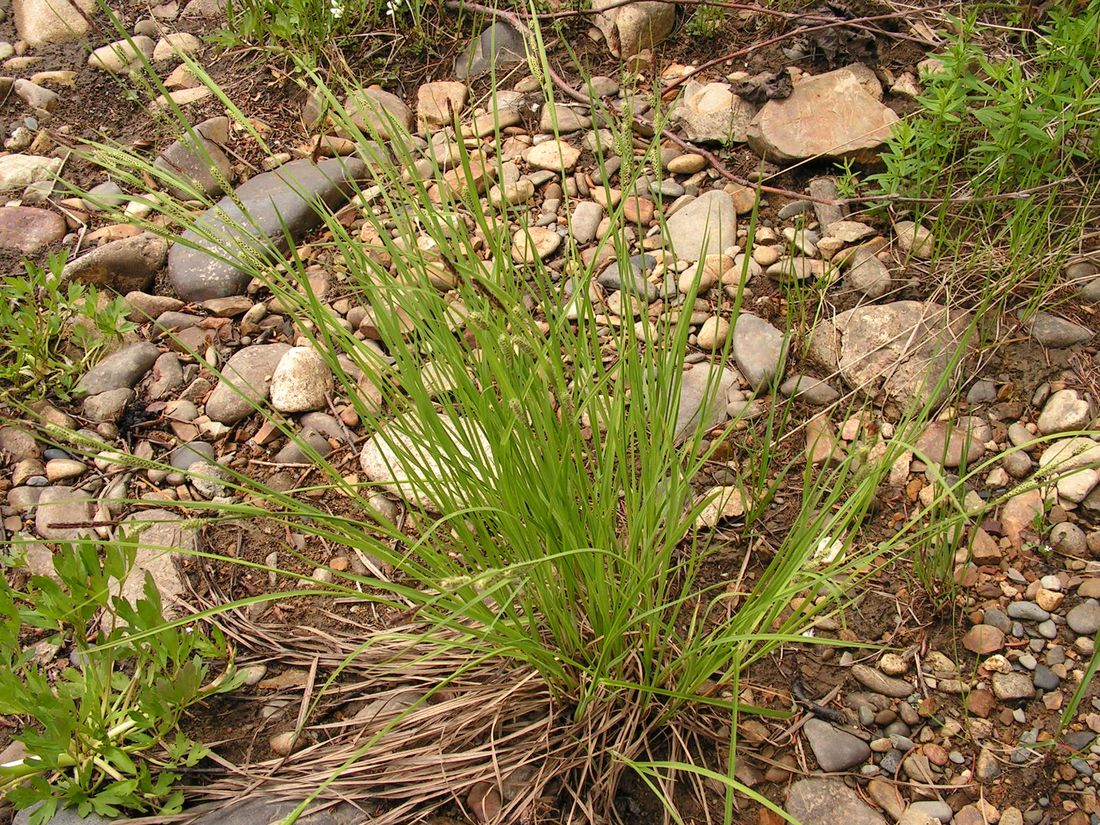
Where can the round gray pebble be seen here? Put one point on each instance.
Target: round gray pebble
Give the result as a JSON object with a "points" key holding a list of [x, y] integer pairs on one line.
{"points": [[1084, 619], [1027, 612]]}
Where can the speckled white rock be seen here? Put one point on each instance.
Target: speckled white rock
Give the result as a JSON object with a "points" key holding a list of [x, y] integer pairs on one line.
{"points": [[300, 381], [402, 458], [1065, 410]]}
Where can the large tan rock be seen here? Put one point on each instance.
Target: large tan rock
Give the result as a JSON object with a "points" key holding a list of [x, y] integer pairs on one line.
{"points": [[832, 115], [159, 537], [634, 27], [902, 349], [402, 458], [378, 113], [41, 22], [712, 113], [437, 104]]}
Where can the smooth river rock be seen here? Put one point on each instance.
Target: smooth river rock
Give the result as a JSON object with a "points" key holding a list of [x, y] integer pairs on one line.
{"points": [[245, 382], [119, 370], [29, 229], [706, 226], [204, 264], [835, 750], [41, 22]]}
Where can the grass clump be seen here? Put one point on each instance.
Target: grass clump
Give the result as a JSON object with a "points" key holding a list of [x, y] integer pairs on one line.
{"points": [[551, 460]]}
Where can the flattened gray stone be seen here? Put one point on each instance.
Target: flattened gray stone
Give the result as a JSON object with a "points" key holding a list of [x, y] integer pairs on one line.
{"points": [[185, 455], [274, 203], [636, 282], [499, 45], [1027, 612], [1052, 331], [585, 221], [197, 163], [107, 406], [903, 348], [835, 750], [828, 802], [167, 376], [881, 683], [757, 349], [1044, 678], [809, 390], [119, 370], [1084, 619], [262, 811], [62, 505], [246, 381], [694, 386], [18, 444], [825, 189], [62, 817], [294, 451], [704, 227], [378, 114], [125, 265]]}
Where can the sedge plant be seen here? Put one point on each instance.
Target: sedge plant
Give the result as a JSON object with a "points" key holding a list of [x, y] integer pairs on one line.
{"points": [[550, 465]]}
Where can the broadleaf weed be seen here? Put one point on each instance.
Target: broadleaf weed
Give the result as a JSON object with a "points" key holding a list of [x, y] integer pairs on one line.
{"points": [[53, 330], [101, 733]]}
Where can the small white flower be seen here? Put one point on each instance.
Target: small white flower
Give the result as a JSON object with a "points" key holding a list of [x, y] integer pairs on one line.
{"points": [[336, 9]]}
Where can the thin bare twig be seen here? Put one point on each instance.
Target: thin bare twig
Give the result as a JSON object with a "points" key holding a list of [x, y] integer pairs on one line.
{"points": [[831, 23], [713, 159], [637, 120]]}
